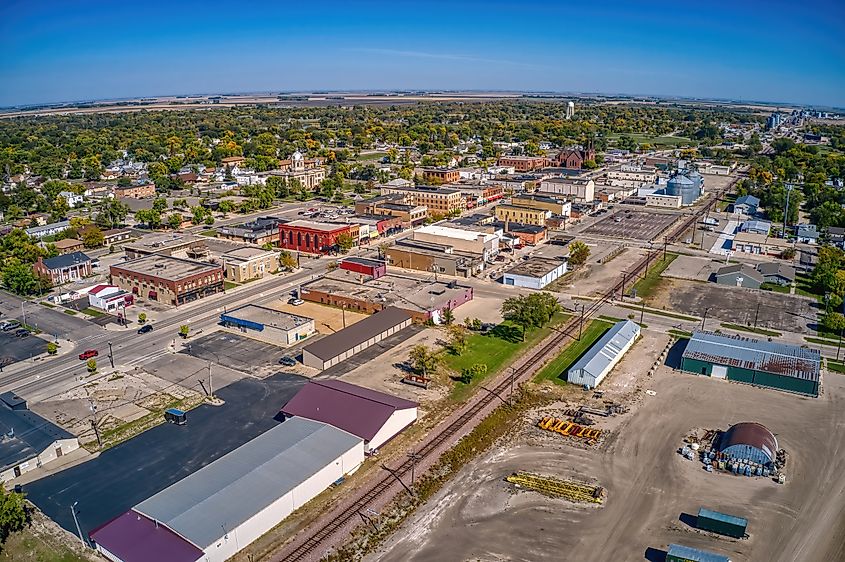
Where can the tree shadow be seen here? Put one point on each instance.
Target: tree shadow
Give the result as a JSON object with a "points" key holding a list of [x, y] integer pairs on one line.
{"points": [[655, 555], [689, 520], [405, 367], [512, 334]]}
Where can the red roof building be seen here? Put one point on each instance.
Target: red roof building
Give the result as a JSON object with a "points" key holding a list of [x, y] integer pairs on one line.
{"points": [[133, 537], [311, 237], [373, 416]]}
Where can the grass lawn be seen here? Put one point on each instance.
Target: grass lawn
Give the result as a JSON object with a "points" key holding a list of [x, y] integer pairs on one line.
{"points": [[93, 312], [555, 370], [822, 341], [47, 304], [659, 312], [71, 312], [29, 546], [371, 156], [804, 287], [496, 349], [229, 285], [752, 329], [680, 334], [210, 232], [647, 285], [835, 366], [775, 288]]}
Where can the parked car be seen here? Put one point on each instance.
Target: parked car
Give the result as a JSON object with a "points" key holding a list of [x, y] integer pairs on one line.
{"points": [[296, 302], [145, 329], [11, 325], [287, 361], [22, 333], [88, 354]]}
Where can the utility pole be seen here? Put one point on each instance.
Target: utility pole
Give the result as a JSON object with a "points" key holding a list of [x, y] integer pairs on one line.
{"points": [[665, 245], [622, 293], [94, 422], [642, 311], [786, 209], [581, 323], [343, 311], [756, 314], [111, 356], [210, 387], [76, 521], [510, 397], [23, 313], [414, 458], [704, 318]]}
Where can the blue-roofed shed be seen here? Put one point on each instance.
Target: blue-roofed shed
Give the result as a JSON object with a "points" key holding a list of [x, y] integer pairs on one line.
{"points": [[722, 523], [681, 553]]}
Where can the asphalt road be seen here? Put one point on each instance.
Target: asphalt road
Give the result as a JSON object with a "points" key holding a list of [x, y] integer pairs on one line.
{"points": [[46, 319], [136, 469]]}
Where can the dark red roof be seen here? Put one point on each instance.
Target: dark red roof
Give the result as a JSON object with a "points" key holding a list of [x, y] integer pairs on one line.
{"points": [[357, 410], [750, 433], [135, 538]]}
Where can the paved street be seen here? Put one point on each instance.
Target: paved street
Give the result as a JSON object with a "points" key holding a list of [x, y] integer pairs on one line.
{"points": [[136, 469]]}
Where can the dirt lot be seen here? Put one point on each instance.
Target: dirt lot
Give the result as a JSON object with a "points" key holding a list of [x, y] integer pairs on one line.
{"points": [[792, 313], [594, 278], [327, 319], [638, 225], [478, 516], [692, 268]]}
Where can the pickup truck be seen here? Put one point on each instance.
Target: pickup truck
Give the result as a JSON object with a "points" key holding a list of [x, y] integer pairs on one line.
{"points": [[88, 354]]}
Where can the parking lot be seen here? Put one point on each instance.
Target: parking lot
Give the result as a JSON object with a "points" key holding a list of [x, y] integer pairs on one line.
{"points": [[14, 349], [235, 351], [136, 469], [637, 225]]}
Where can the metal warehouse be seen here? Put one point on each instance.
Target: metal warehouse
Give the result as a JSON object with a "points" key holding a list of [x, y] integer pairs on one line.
{"points": [[600, 359], [749, 441], [342, 345], [681, 553], [374, 416], [223, 507], [774, 365], [268, 325]]}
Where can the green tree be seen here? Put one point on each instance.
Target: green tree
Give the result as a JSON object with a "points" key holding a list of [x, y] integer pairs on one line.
{"points": [[184, 330], [92, 237], [287, 260], [20, 279], [92, 365], [160, 204], [834, 322], [447, 316], [578, 253], [174, 220], [829, 263], [527, 311], [423, 360], [59, 209], [13, 515], [476, 370], [52, 348], [199, 213], [345, 242], [150, 217], [111, 213], [142, 317], [226, 206], [458, 338]]}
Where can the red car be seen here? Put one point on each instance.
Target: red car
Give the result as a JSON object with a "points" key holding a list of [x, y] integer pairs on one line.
{"points": [[88, 354]]}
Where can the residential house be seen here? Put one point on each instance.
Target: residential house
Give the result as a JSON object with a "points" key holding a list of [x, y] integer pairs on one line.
{"points": [[807, 233], [73, 199], [65, 268], [777, 273], [739, 275], [756, 227], [48, 229], [68, 245], [835, 236], [746, 205]]}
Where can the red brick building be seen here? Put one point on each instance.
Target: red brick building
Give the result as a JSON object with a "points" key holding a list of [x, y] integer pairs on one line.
{"points": [[441, 175], [167, 279], [311, 237], [574, 158], [524, 163]]}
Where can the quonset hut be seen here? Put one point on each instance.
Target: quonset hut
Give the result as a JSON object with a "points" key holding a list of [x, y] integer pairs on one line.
{"points": [[751, 442]]}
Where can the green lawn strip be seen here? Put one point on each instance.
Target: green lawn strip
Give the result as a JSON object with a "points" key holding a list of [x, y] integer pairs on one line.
{"points": [[71, 312], [821, 341], [210, 232], [121, 433], [646, 286], [47, 304], [774, 287], [659, 312], [555, 370], [835, 366], [751, 329], [615, 319], [93, 312], [494, 350], [680, 334], [229, 285]]}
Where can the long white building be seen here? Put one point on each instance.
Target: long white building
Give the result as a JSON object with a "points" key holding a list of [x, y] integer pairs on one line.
{"points": [[600, 359]]}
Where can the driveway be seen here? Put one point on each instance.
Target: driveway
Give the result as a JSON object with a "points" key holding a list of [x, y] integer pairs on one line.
{"points": [[133, 471]]}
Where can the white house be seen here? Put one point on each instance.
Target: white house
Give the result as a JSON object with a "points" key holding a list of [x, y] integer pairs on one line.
{"points": [[600, 359], [73, 199]]}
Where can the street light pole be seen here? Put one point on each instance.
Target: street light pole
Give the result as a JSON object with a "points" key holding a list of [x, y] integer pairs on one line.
{"points": [[510, 398], [23, 313], [111, 356], [704, 318], [581, 323], [76, 521]]}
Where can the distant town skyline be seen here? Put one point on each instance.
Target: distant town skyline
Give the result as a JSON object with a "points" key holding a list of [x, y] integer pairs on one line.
{"points": [[58, 51]]}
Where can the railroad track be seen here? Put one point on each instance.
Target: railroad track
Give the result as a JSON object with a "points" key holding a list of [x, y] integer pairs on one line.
{"points": [[310, 547]]}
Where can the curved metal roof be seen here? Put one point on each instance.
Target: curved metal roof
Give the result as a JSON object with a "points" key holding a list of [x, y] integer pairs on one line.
{"points": [[680, 180], [750, 433]]}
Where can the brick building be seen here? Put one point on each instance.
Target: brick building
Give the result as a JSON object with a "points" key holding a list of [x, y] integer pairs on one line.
{"points": [[441, 175], [167, 279], [259, 231], [524, 163], [574, 158], [135, 191], [312, 237], [244, 264], [437, 199], [64, 268]]}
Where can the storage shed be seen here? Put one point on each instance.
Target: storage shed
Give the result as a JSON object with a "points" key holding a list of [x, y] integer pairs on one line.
{"points": [[373, 416], [771, 364], [226, 505], [750, 442], [341, 345], [721, 523], [680, 553], [600, 359], [268, 325], [535, 273]]}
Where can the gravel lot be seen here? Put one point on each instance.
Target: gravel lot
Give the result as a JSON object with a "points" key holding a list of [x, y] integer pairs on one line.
{"points": [[478, 517]]}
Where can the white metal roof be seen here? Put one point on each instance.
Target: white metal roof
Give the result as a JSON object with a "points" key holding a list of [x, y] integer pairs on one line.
{"points": [[459, 233], [607, 348], [224, 494]]}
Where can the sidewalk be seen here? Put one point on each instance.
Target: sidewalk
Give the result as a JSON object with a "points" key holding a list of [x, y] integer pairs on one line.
{"points": [[73, 458]]}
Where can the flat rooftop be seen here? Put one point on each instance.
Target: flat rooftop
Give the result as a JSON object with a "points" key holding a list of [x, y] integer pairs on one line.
{"points": [[458, 233], [166, 267], [314, 225], [245, 253], [535, 267], [267, 317], [390, 290], [163, 241]]}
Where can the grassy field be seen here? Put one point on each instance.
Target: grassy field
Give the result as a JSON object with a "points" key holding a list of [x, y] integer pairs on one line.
{"points": [[835, 366], [210, 232], [751, 329], [555, 370], [229, 285], [804, 287], [659, 140], [29, 546], [647, 285], [774, 287], [822, 341], [495, 350], [680, 334]]}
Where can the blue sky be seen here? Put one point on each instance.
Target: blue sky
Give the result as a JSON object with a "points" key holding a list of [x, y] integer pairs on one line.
{"points": [[90, 49]]}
